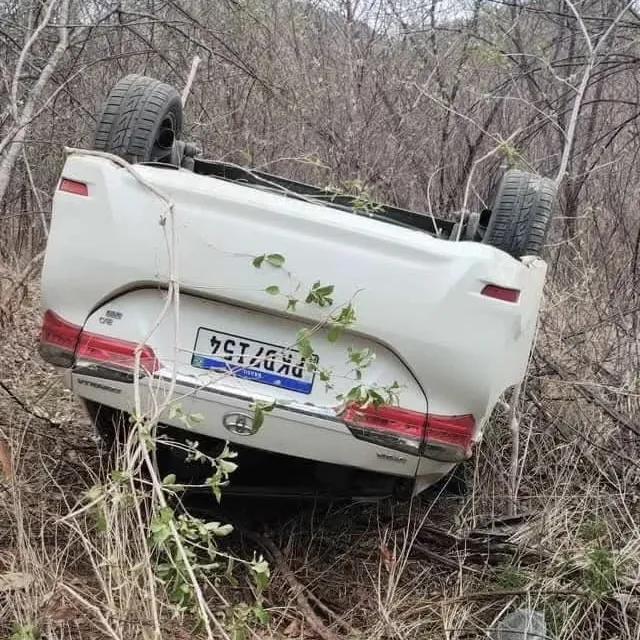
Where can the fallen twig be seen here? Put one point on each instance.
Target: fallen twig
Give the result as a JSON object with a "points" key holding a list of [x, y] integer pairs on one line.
{"points": [[296, 587], [423, 550], [331, 613], [36, 413]]}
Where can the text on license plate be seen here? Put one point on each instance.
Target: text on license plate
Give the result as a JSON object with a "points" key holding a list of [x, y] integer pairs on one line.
{"points": [[251, 359]]}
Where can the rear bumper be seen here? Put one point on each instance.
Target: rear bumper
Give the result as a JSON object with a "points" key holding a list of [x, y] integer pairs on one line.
{"points": [[299, 430]]}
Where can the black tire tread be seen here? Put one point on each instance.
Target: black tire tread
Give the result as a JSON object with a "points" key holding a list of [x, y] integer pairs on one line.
{"points": [[521, 213], [132, 114]]}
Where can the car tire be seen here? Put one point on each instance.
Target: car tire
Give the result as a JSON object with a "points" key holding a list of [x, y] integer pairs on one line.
{"points": [[140, 121], [521, 214]]}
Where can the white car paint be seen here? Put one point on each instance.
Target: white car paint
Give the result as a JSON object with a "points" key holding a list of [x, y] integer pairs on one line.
{"points": [[418, 301]]}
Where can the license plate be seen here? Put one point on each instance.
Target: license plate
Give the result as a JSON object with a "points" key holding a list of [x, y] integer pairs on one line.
{"points": [[250, 359]]}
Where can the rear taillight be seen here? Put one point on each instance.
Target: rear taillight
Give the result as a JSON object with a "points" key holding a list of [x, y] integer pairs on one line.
{"points": [[63, 343], [112, 351], [74, 187], [443, 438], [501, 293], [58, 339], [449, 438]]}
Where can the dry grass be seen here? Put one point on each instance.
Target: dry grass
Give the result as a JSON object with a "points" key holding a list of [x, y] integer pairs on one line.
{"points": [[444, 567]]}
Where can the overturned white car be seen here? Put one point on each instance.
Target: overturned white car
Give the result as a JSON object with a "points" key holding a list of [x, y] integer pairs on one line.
{"points": [[359, 343]]}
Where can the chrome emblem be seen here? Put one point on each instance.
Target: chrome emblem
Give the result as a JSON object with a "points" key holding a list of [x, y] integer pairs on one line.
{"points": [[239, 423]]}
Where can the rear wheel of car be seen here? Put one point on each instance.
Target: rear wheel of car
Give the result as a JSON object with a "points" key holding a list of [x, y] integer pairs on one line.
{"points": [[521, 214], [140, 121]]}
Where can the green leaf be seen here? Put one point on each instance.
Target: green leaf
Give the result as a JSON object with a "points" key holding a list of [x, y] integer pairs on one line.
{"points": [[261, 615], [170, 479], [275, 260], [334, 333], [319, 294], [326, 290], [101, 522], [303, 341], [261, 573], [347, 316], [215, 488], [268, 406], [117, 475], [94, 492], [258, 417], [160, 532], [258, 260], [291, 304], [25, 632], [273, 290], [227, 466], [224, 530]]}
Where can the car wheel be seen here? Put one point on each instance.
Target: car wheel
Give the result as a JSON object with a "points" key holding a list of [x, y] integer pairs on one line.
{"points": [[140, 121], [521, 214]]}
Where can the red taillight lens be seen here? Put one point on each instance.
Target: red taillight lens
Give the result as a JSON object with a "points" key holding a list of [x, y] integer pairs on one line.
{"points": [[448, 438], [399, 421], [59, 332], [501, 293], [58, 339], [444, 438], [62, 342], [73, 186], [120, 353]]}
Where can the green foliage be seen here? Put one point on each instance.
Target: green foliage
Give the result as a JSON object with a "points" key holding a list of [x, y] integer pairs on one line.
{"points": [[25, 631], [510, 577], [259, 409], [303, 342], [320, 294], [592, 530], [487, 55], [361, 198], [559, 613], [224, 466], [188, 420], [335, 323], [198, 556], [509, 152], [370, 395], [600, 572], [343, 319], [243, 617], [274, 259]]}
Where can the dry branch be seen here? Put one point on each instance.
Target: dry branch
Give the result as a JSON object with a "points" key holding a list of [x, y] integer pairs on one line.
{"points": [[297, 588]]}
